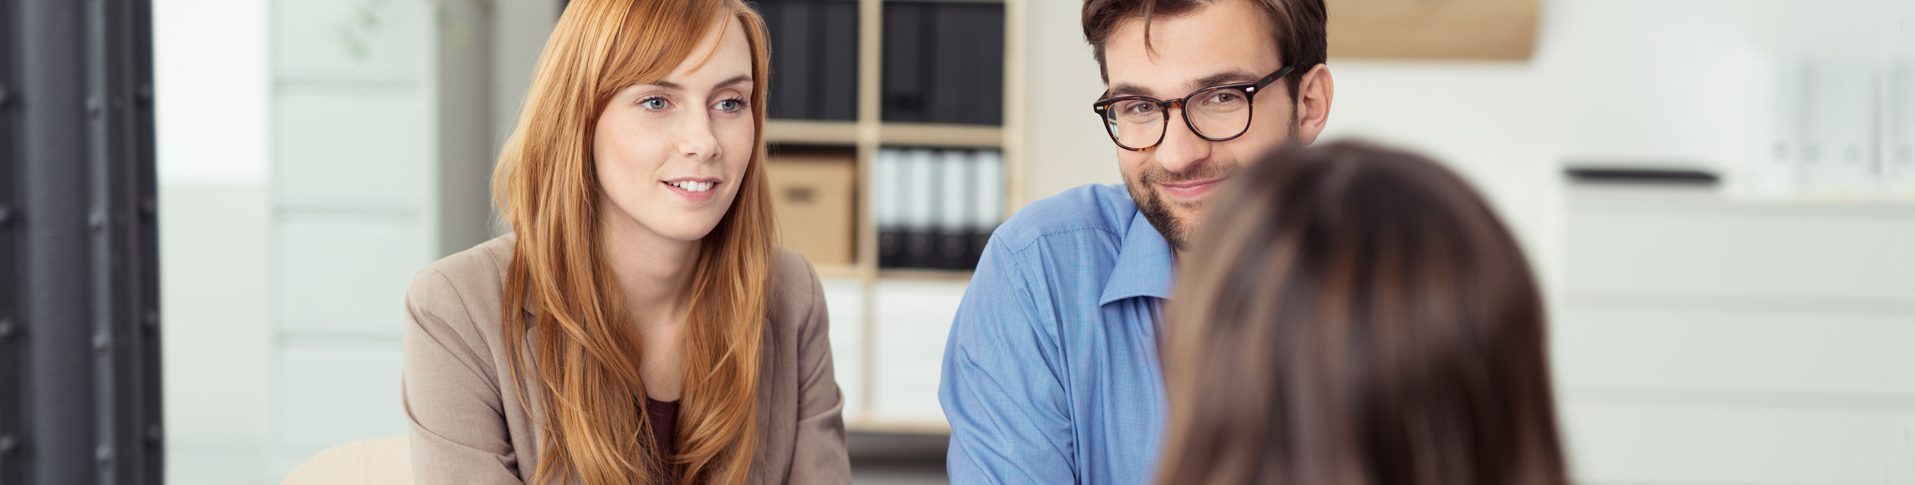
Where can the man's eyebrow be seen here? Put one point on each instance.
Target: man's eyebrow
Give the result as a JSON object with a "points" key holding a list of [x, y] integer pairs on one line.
{"points": [[1127, 89], [1229, 77], [1226, 77]]}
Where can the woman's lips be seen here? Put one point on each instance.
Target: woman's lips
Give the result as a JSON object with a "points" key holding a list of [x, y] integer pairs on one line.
{"points": [[692, 189]]}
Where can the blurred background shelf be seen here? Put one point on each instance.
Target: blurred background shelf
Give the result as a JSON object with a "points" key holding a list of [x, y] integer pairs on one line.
{"points": [[811, 132], [845, 133], [857, 81], [898, 426], [838, 271], [943, 275], [940, 135]]}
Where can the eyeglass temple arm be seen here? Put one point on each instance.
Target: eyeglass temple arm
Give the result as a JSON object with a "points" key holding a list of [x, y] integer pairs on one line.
{"points": [[1273, 77]]}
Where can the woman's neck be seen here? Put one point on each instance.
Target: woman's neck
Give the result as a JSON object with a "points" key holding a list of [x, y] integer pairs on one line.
{"points": [[653, 272]]}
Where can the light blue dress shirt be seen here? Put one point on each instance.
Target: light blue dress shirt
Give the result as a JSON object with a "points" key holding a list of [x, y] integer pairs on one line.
{"points": [[1051, 373]]}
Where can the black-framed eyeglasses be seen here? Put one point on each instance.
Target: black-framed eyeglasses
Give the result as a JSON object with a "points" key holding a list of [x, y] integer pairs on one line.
{"points": [[1216, 113]]}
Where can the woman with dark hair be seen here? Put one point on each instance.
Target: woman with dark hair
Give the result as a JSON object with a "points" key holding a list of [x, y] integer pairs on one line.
{"points": [[1357, 315]]}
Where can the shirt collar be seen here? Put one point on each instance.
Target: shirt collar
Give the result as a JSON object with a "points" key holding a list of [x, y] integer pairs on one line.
{"points": [[1144, 266]]}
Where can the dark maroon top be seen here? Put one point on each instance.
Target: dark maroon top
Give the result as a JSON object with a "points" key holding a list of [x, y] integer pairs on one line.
{"points": [[664, 417]]}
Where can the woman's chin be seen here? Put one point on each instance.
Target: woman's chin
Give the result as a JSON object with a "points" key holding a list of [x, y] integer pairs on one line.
{"points": [[687, 233]]}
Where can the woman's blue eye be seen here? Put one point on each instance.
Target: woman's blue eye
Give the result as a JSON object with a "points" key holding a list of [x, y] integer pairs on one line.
{"points": [[654, 104], [730, 105]]}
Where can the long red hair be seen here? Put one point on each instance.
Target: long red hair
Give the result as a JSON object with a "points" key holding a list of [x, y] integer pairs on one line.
{"points": [[583, 356]]}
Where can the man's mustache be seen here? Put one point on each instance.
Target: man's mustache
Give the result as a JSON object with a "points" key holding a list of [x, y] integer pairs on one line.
{"points": [[1207, 171]]}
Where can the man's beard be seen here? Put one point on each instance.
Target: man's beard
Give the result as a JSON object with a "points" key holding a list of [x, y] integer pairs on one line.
{"points": [[1177, 231]]}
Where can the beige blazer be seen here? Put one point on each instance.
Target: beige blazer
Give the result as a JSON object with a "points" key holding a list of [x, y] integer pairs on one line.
{"points": [[468, 428]]}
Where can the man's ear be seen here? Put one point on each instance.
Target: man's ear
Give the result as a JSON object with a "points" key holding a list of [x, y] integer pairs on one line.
{"points": [[1315, 90]]}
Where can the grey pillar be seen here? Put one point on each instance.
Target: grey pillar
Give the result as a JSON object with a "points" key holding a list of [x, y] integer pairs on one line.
{"points": [[79, 367]]}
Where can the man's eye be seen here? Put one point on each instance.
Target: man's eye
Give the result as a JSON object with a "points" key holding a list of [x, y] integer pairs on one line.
{"points": [[1225, 97]]}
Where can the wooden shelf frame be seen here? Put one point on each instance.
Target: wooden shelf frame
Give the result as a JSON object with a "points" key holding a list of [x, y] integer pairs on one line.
{"points": [[866, 135], [890, 134], [808, 132]]}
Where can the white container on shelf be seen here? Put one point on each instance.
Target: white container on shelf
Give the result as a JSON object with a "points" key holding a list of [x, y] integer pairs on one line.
{"points": [[1898, 119], [1839, 128], [1775, 171]]}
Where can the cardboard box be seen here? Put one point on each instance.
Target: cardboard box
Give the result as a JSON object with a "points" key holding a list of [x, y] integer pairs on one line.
{"points": [[1432, 29], [813, 194]]}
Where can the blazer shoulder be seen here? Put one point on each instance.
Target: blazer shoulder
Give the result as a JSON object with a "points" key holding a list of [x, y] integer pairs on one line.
{"points": [[464, 287], [795, 289]]}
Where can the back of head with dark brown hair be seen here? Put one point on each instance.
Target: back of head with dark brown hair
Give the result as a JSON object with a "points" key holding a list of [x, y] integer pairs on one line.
{"points": [[1350, 315]]}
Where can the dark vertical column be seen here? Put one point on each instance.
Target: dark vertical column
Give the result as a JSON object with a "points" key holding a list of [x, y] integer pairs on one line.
{"points": [[58, 442], [126, 251], [12, 351], [86, 243]]}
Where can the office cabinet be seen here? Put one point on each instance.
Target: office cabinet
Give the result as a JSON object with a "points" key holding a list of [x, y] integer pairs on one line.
{"points": [[1702, 339]]}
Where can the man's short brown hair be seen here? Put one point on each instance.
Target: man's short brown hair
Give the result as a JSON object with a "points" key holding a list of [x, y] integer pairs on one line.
{"points": [[1297, 27]]}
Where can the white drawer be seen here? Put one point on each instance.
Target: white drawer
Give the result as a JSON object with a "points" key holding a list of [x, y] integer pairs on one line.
{"points": [[1701, 246], [1620, 443], [346, 276], [914, 321], [373, 147], [1748, 351], [845, 297]]}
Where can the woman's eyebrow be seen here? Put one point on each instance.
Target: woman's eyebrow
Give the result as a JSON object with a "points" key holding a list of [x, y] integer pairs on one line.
{"points": [[739, 79]]}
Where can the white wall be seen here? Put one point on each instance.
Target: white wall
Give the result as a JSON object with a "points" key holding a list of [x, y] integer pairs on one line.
{"points": [[210, 83], [210, 80], [1064, 148]]}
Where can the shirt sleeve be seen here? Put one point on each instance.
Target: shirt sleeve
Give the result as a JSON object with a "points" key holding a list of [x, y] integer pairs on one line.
{"points": [[458, 431], [1002, 388]]}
